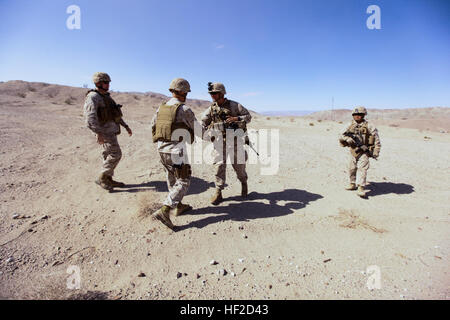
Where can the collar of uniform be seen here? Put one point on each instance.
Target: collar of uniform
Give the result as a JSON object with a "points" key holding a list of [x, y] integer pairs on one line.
{"points": [[225, 103], [106, 94], [362, 122], [173, 101]]}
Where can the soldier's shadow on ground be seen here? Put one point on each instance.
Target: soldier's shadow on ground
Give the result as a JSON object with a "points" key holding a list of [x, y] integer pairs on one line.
{"points": [[247, 210], [197, 186], [380, 188]]}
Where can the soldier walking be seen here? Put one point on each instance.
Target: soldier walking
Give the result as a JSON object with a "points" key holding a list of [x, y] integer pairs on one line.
{"points": [[364, 143], [170, 117], [104, 117]]}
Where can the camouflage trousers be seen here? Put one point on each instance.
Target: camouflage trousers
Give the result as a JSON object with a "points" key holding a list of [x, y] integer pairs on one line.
{"points": [[178, 179], [111, 154], [220, 164], [359, 164]]}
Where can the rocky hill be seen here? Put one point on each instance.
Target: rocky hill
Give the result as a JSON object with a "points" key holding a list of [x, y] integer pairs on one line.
{"points": [[32, 92], [432, 119]]}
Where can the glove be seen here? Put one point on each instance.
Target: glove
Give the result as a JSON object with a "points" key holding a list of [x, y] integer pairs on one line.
{"points": [[375, 154], [343, 143], [350, 142]]}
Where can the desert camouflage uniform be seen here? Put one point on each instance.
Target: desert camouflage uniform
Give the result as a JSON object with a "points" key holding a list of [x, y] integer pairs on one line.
{"points": [[173, 154], [360, 162], [220, 154], [109, 130]]}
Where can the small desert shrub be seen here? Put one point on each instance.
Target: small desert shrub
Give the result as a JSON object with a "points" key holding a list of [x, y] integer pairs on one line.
{"points": [[393, 125], [404, 118], [32, 89], [292, 119], [268, 118], [137, 98], [340, 122], [319, 120], [311, 124], [21, 94], [147, 206], [351, 220]]}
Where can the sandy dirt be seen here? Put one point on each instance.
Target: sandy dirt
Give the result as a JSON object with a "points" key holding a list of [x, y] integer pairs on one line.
{"points": [[299, 235]]}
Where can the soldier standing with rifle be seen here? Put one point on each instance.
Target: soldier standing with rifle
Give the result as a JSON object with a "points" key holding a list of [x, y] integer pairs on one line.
{"points": [[364, 143], [104, 118], [226, 114]]}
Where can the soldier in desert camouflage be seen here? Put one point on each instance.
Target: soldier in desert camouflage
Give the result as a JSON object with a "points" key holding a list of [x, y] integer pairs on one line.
{"points": [[171, 118], [104, 117], [222, 115], [364, 143]]}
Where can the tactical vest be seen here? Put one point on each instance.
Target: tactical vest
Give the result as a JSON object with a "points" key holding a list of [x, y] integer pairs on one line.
{"points": [[110, 111], [220, 114], [362, 132], [166, 125]]}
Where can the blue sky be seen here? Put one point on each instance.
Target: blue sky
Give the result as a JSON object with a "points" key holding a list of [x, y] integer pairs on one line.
{"points": [[271, 55]]}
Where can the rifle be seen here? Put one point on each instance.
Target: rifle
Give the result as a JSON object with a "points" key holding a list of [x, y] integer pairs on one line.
{"points": [[358, 145], [242, 125], [235, 126], [250, 144]]}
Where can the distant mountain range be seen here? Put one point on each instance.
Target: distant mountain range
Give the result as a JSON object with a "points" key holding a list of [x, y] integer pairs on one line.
{"points": [[287, 113]]}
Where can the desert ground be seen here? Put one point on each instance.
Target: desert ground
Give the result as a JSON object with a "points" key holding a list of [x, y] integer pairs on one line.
{"points": [[299, 234]]}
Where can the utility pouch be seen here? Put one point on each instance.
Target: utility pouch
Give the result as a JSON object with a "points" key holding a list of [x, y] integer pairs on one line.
{"points": [[355, 152], [371, 141]]}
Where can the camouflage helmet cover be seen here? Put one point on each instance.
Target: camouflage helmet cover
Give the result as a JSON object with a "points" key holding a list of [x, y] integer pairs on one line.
{"points": [[100, 76], [216, 87], [359, 110], [180, 84]]}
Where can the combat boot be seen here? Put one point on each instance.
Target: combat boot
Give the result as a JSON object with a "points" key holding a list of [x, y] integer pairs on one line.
{"points": [[103, 182], [244, 190], [115, 183], [217, 198], [361, 192], [163, 215], [351, 187], [182, 208]]}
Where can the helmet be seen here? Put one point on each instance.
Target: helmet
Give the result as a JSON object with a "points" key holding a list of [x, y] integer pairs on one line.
{"points": [[216, 87], [100, 76], [180, 84], [359, 110]]}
